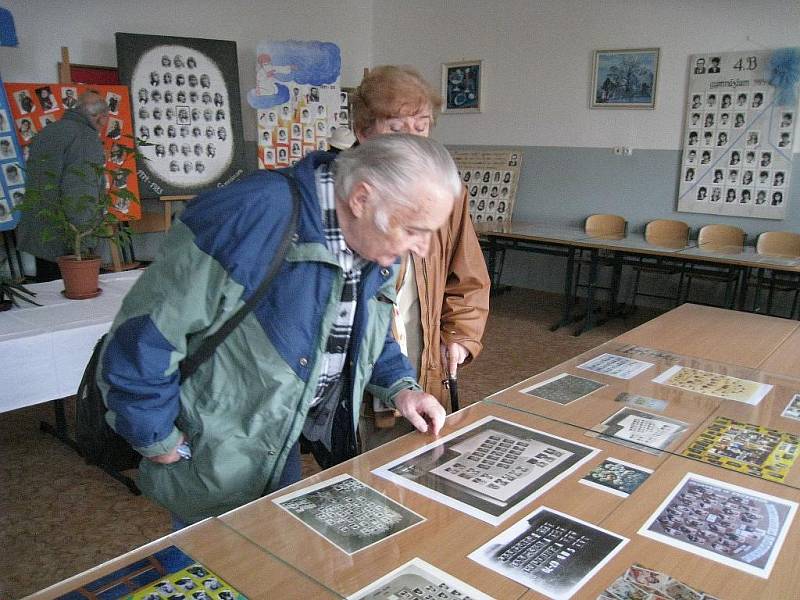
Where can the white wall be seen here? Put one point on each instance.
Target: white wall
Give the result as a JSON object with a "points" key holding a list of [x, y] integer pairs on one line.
{"points": [[538, 53], [87, 27]]}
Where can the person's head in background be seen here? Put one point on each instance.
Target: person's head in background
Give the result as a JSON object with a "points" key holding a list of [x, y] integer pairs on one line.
{"points": [[394, 99], [93, 107]]}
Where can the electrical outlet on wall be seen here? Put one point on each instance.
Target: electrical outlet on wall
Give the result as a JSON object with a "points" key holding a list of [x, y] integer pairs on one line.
{"points": [[622, 150]]}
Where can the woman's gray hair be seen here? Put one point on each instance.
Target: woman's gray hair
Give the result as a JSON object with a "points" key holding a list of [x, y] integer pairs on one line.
{"points": [[92, 104], [394, 165]]}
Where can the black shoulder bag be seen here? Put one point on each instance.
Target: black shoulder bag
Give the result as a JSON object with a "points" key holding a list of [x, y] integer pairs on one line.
{"points": [[102, 446]]}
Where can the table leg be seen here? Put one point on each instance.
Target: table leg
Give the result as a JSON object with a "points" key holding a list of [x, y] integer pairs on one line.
{"points": [[569, 299], [588, 323]]}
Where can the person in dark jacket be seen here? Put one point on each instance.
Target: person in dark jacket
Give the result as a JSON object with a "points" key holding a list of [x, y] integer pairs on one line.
{"points": [[57, 153]]}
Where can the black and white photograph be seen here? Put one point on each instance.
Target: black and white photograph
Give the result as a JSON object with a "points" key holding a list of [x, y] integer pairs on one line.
{"points": [[640, 430], [553, 553], [418, 579], [616, 477], [563, 388], [6, 214], [13, 174], [5, 124], [26, 128], [7, 147], [348, 513], [113, 101], [490, 469], [24, 101], [180, 76], [735, 526], [612, 365]]}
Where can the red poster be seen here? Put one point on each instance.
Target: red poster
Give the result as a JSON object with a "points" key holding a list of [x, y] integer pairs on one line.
{"points": [[35, 105]]}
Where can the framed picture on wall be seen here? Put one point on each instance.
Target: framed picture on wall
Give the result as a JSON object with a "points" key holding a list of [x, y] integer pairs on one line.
{"points": [[624, 78], [462, 86]]}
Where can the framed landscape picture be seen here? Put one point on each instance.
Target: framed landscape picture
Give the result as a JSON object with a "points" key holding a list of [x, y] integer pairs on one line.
{"points": [[624, 78], [462, 86]]}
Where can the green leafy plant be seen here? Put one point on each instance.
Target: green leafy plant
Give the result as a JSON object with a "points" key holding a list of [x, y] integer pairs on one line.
{"points": [[78, 221], [12, 290]]}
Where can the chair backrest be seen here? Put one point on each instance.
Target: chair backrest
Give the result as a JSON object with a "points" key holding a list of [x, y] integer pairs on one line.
{"points": [[721, 235], [779, 243], [667, 232], [605, 225]]}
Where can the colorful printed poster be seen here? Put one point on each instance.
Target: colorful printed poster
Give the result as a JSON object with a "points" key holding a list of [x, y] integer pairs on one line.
{"points": [[738, 527], [616, 477], [491, 178], [185, 94], [298, 100], [639, 582], [12, 180], [741, 123], [714, 384], [36, 105], [747, 448], [168, 573]]}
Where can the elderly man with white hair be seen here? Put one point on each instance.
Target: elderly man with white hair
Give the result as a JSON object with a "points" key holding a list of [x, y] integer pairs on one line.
{"points": [[299, 363]]}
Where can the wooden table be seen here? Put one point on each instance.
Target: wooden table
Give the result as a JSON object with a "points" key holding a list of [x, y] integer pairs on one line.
{"points": [[268, 553]]}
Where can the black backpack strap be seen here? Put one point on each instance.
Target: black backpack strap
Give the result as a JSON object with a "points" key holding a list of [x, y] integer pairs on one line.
{"points": [[204, 351]]}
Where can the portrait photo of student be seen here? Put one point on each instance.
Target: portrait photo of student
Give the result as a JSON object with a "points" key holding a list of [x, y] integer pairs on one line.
{"points": [[69, 97], [697, 101], [714, 65], [724, 120], [733, 176], [730, 195], [296, 149], [701, 194], [689, 175], [766, 159], [695, 119], [691, 157], [5, 124], [297, 132], [722, 139], [705, 157], [758, 100], [752, 138], [741, 100], [269, 156], [7, 148], [24, 101], [26, 128], [763, 177], [726, 102], [700, 66], [709, 122], [735, 158], [777, 199], [750, 157], [745, 197], [716, 194], [113, 101], [747, 177], [484, 190], [507, 177], [308, 134], [692, 138], [473, 191], [761, 196], [785, 140], [13, 174], [45, 120], [738, 120], [711, 100], [718, 176], [779, 179], [282, 155], [786, 120], [708, 138]]}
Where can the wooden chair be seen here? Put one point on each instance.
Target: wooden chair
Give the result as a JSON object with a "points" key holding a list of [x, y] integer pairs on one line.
{"points": [[779, 244], [720, 238], [665, 233], [598, 225]]}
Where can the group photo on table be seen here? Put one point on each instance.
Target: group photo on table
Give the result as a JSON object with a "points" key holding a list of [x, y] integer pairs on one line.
{"points": [[372, 302]]}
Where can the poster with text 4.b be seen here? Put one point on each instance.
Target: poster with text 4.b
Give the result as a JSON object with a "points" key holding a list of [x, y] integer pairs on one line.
{"points": [[741, 125]]}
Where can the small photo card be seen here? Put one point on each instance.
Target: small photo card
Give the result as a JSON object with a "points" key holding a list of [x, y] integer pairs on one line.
{"points": [[563, 388], [641, 401], [489, 469], [349, 514], [792, 410], [612, 365], [418, 579], [640, 430], [551, 552], [735, 526], [641, 583], [616, 477], [714, 384]]}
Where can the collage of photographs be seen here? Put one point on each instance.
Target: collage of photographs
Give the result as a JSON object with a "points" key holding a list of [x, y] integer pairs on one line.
{"points": [[491, 179], [12, 175], [737, 145], [36, 105], [302, 124]]}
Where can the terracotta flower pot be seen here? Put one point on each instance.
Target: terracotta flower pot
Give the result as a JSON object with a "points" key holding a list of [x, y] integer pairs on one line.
{"points": [[80, 277]]}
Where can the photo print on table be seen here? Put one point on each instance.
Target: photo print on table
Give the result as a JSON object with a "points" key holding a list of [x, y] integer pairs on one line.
{"points": [[651, 353], [616, 477], [747, 448], [640, 583], [735, 526], [490, 469], [418, 580], [641, 401], [551, 552], [792, 410], [348, 513], [714, 384], [639, 430], [184, 77], [563, 388], [612, 365]]}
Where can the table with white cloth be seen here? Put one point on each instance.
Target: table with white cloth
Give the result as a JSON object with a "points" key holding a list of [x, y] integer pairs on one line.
{"points": [[45, 348]]}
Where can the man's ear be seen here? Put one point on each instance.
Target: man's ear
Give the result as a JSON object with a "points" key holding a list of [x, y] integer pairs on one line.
{"points": [[360, 198]]}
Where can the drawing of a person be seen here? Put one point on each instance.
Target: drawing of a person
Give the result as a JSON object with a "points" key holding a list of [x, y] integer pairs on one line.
{"points": [[265, 75]]}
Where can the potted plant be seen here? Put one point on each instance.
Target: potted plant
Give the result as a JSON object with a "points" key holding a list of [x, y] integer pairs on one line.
{"points": [[80, 269], [12, 290]]}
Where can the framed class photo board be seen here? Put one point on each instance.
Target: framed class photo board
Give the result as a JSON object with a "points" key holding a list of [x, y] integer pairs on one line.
{"points": [[491, 178], [741, 117]]}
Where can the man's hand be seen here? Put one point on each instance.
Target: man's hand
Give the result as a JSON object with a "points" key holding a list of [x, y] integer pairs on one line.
{"points": [[170, 457], [453, 355], [420, 409]]}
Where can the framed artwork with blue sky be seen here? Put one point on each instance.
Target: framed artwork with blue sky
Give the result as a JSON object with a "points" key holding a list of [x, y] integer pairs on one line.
{"points": [[624, 78]]}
